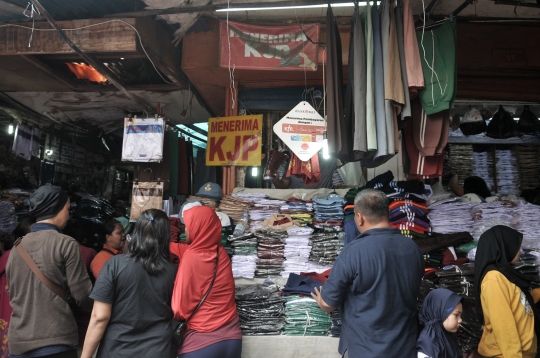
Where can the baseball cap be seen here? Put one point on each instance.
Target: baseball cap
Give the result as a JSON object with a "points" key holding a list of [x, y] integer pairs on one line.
{"points": [[224, 218], [210, 190], [188, 205]]}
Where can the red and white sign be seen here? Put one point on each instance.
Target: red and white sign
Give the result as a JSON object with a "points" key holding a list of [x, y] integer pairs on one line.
{"points": [[268, 47], [302, 130]]}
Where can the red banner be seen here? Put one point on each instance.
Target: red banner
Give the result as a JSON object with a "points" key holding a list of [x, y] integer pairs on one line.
{"points": [[268, 47]]}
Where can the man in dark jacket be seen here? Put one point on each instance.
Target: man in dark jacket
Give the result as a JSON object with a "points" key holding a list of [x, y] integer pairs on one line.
{"points": [[42, 323], [375, 282]]}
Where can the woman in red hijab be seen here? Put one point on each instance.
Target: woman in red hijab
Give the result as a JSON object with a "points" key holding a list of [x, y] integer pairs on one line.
{"points": [[214, 330]]}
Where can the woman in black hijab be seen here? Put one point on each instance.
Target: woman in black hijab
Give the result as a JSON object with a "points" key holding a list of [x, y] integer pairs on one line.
{"points": [[504, 301]]}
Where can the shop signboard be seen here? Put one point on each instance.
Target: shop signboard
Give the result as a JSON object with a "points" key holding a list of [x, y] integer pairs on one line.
{"points": [[234, 141], [302, 130], [64, 152], [247, 46]]}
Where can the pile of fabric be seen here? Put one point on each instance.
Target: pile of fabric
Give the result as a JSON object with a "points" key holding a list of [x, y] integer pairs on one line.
{"points": [[408, 210], [483, 167], [270, 251], [328, 213], [507, 172], [528, 215], [441, 250], [297, 250], [8, 219], [234, 207], [303, 316], [459, 279], [487, 215], [529, 167], [244, 259], [261, 310]]}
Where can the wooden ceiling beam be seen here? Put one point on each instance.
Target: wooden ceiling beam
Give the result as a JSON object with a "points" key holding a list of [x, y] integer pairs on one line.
{"points": [[49, 71]]}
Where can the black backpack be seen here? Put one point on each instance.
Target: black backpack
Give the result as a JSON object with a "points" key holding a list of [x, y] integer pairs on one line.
{"points": [[502, 125]]}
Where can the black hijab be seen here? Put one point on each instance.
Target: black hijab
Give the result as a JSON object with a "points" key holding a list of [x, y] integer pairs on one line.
{"points": [[434, 340], [497, 247]]}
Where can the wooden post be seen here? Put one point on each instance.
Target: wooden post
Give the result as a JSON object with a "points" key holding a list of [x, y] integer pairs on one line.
{"points": [[229, 172]]}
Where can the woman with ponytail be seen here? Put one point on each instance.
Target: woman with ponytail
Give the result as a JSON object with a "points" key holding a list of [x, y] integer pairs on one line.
{"points": [[132, 312]]}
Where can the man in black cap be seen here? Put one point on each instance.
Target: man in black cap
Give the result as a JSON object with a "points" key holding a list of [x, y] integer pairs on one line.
{"points": [[42, 323]]}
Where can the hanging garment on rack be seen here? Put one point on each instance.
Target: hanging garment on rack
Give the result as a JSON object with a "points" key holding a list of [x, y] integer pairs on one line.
{"points": [[203, 174], [350, 123], [430, 131], [36, 141], [388, 108], [22, 142], [358, 48], [398, 12], [416, 165], [371, 119], [143, 140], [439, 66], [415, 75], [309, 171], [46, 173], [336, 128], [146, 196], [394, 83]]}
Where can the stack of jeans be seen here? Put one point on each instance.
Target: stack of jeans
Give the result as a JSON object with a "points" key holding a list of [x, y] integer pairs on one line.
{"points": [[261, 311]]}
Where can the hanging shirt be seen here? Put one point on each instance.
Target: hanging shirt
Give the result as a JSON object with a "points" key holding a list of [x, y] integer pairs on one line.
{"points": [[22, 143], [415, 75], [406, 110], [36, 141], [143, 140], [371, 121], [430, 131]]}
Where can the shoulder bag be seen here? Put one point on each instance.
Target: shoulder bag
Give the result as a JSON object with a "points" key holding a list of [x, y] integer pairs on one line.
{"points": [[181, 327], [59, 291]]}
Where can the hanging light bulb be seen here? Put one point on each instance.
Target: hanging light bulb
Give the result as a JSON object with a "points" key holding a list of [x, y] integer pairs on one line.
{"points": [[10, 128], [325, 153]]}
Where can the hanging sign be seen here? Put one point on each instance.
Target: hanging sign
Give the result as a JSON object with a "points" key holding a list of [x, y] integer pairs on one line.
{"points": [[302, 130], [234, 141], [246, 46]]}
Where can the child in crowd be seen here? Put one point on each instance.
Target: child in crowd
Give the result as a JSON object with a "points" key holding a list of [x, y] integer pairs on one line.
{"points": [[504, 299], [441, 316]]}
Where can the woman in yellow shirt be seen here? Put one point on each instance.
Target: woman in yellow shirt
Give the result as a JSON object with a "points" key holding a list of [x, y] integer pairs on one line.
{"points": [[504, 301]]}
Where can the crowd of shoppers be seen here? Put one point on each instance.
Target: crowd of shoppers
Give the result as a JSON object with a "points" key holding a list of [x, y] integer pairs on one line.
{"points": [[141, 292]]}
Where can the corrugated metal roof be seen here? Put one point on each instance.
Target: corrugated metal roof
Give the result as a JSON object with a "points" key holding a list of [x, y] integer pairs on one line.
{"points": [[12, 10]]}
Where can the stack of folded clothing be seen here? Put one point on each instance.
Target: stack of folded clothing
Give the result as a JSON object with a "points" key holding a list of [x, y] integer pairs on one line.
{"points": [[303, 316], [451, 217], [442, 250], [263, 209], [244, 259], [325, 247], [329, 213], [461, 161], [261, 310], [483, 167], [529, 167], [270, 251], [487, 215], [528, 265], [8, 219], [411, 217], [300, 211], [297, 250], [459, 279], [528, 224], [206, 201], [234, 207], [507, 172]]}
